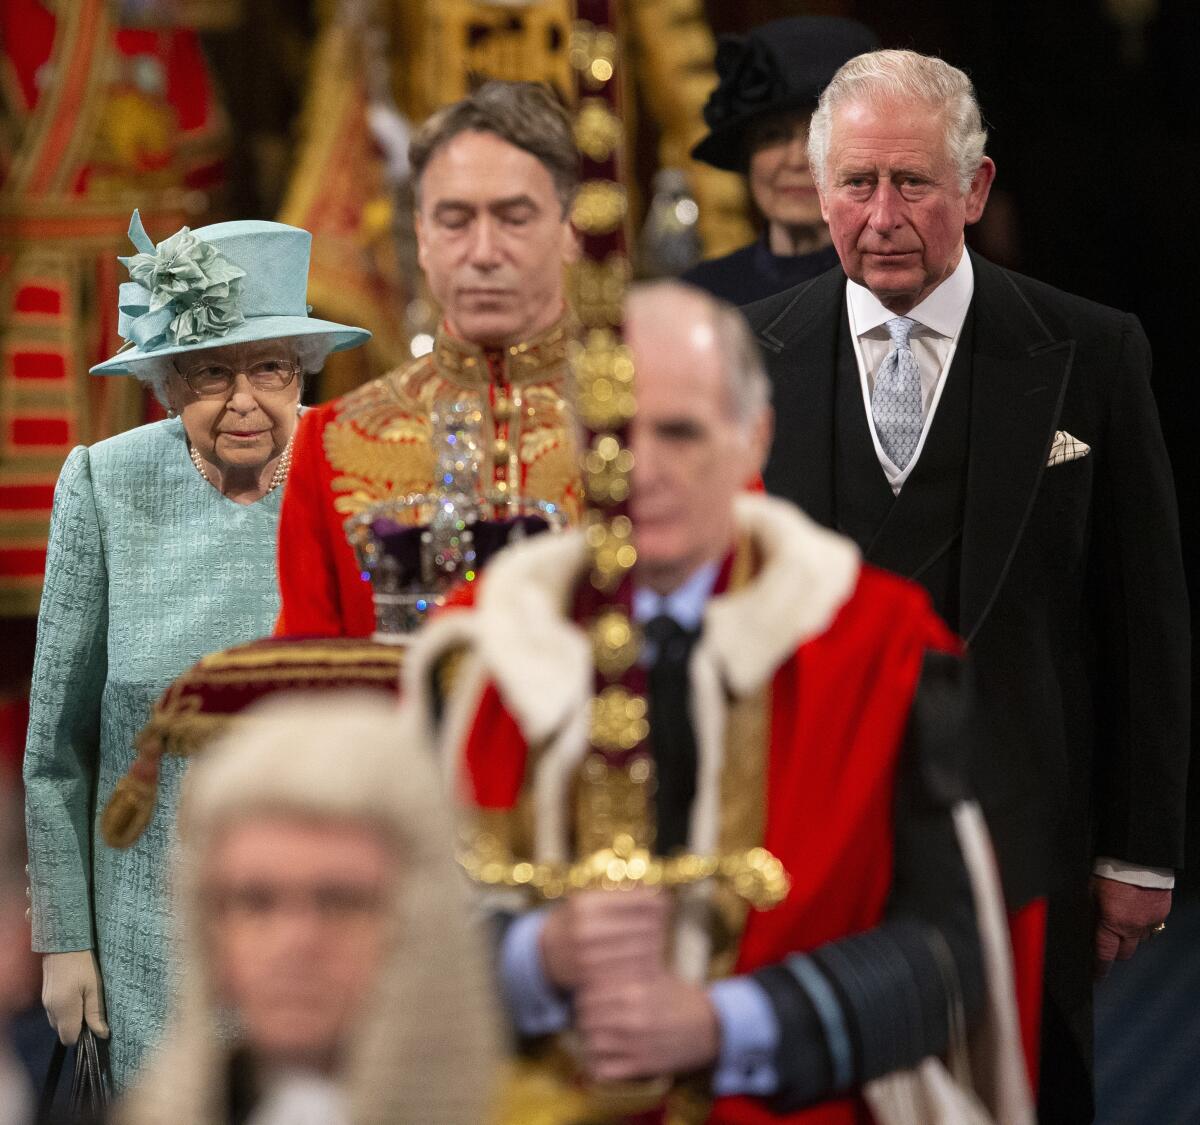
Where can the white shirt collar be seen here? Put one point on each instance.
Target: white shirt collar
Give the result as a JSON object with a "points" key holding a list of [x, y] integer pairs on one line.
{"points": [[943, 311], [685, 604]]}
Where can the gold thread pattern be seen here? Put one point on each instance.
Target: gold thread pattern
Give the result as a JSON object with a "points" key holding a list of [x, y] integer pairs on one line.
{"points": [[604, 378], [607, 469], [614, 802], [378, 444], [593, 53]]}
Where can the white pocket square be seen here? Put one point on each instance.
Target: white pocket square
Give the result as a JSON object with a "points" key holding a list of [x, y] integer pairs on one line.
{"points": [[1066, 448]]}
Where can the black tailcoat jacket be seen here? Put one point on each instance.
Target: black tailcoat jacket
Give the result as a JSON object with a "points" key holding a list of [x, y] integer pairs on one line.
{"points": [[1066, 580]]}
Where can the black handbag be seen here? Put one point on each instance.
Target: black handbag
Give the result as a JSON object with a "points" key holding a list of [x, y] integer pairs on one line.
{"points": [[90, 1085]]}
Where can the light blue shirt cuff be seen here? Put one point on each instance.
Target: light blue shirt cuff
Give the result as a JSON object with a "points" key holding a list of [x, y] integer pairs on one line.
{"points": [[749, 1038], [534, 1005]]}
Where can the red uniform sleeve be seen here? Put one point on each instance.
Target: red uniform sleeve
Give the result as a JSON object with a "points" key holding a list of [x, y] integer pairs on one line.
{"points": [[308, 585]]}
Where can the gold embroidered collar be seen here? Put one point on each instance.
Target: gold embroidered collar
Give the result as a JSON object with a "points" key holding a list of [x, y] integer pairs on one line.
{"points": [[536, 360]]}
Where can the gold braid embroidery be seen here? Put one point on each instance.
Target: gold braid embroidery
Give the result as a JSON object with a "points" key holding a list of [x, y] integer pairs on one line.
{"points": [[378, 445], [365, 655]]}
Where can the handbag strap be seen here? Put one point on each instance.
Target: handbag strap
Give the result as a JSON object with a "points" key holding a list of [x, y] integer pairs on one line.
{"points": [[89, 1090], [90, 1084]]}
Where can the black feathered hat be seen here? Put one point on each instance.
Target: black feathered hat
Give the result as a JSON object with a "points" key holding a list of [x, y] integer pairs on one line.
{"points": [[782, 65]]}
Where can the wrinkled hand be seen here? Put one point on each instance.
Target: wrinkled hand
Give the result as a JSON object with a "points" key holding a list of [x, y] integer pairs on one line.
{"points": [[1125, 915], [595, 935], [646, 1027], [71, 994]]}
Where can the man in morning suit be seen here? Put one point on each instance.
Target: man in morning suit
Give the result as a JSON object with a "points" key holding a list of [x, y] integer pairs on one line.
{"points": [[996, 440]]}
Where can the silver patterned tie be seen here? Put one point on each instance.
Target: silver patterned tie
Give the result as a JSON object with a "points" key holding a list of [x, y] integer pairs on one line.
{"points": [[896, 400]]}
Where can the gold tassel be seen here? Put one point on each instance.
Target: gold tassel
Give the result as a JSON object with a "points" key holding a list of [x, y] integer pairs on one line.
{"points": [[131, 804]]}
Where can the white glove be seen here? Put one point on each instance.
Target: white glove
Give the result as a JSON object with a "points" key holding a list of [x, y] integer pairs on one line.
{"points": [[72, 993]]}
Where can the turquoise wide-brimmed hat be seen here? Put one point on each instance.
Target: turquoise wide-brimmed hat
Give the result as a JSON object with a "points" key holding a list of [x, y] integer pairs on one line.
{"points": [[228, 283]]}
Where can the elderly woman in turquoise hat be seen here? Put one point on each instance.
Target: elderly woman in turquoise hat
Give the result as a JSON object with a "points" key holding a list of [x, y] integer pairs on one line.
{"points": [[162, 548]]}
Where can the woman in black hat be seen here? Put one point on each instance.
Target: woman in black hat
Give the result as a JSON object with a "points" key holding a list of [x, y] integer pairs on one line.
{"points": [[769, 82]]}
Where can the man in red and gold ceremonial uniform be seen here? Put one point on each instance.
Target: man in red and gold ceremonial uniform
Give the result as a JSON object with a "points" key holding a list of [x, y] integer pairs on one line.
{"points": [[798, 701], [494, 176]]}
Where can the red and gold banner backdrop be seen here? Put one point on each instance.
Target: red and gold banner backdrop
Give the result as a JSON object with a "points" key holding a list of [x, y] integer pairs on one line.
{"points": [[98, 119], [339, 191]]}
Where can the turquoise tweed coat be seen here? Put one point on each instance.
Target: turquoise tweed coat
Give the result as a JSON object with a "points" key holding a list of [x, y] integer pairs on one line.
{"points": [[149, 567]]}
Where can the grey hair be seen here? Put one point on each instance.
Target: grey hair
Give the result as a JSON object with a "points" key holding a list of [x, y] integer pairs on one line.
{"points": [[904, 76], [747, 386], [154, 373], [311, 352]]}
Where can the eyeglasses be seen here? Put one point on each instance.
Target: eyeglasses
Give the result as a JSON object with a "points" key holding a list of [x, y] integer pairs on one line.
{"points": [[212, 379]]}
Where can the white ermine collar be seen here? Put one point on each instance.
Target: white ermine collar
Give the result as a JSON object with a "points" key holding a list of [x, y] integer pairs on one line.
{"points": [[541, 661]]}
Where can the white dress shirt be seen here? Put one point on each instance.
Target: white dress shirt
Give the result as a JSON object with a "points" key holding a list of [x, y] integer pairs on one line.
{"points": [[934, 338]]}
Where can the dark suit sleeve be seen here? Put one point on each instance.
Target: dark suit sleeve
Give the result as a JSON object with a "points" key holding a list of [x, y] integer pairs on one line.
{"points": [[877, 1001], [1143, 642]]}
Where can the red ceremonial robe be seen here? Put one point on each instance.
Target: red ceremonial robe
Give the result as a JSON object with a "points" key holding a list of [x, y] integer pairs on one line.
{"points": [[839, 710]]}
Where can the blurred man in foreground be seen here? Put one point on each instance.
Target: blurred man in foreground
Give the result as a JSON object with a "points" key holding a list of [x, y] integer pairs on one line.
{"points": [[806, 733], [329, 973]]}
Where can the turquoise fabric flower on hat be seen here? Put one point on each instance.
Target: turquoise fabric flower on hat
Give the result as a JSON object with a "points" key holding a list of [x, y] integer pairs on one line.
{"points": [[182, 291], [214, 314], [228, 283]]}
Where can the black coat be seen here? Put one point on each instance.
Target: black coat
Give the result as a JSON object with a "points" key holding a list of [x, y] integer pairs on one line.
{"points": [[753, 272], [1066, 582]]}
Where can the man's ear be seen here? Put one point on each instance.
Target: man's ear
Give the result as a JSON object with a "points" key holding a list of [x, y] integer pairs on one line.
{"points": [[572, 246], [977, 193], [824, 205]]}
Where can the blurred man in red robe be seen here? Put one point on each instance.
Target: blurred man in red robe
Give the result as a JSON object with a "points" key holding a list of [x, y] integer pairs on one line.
{"points": [[799, 701]]}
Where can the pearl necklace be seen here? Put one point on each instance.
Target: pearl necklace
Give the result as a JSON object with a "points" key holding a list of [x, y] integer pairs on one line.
{"points": [[277, 478]]}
